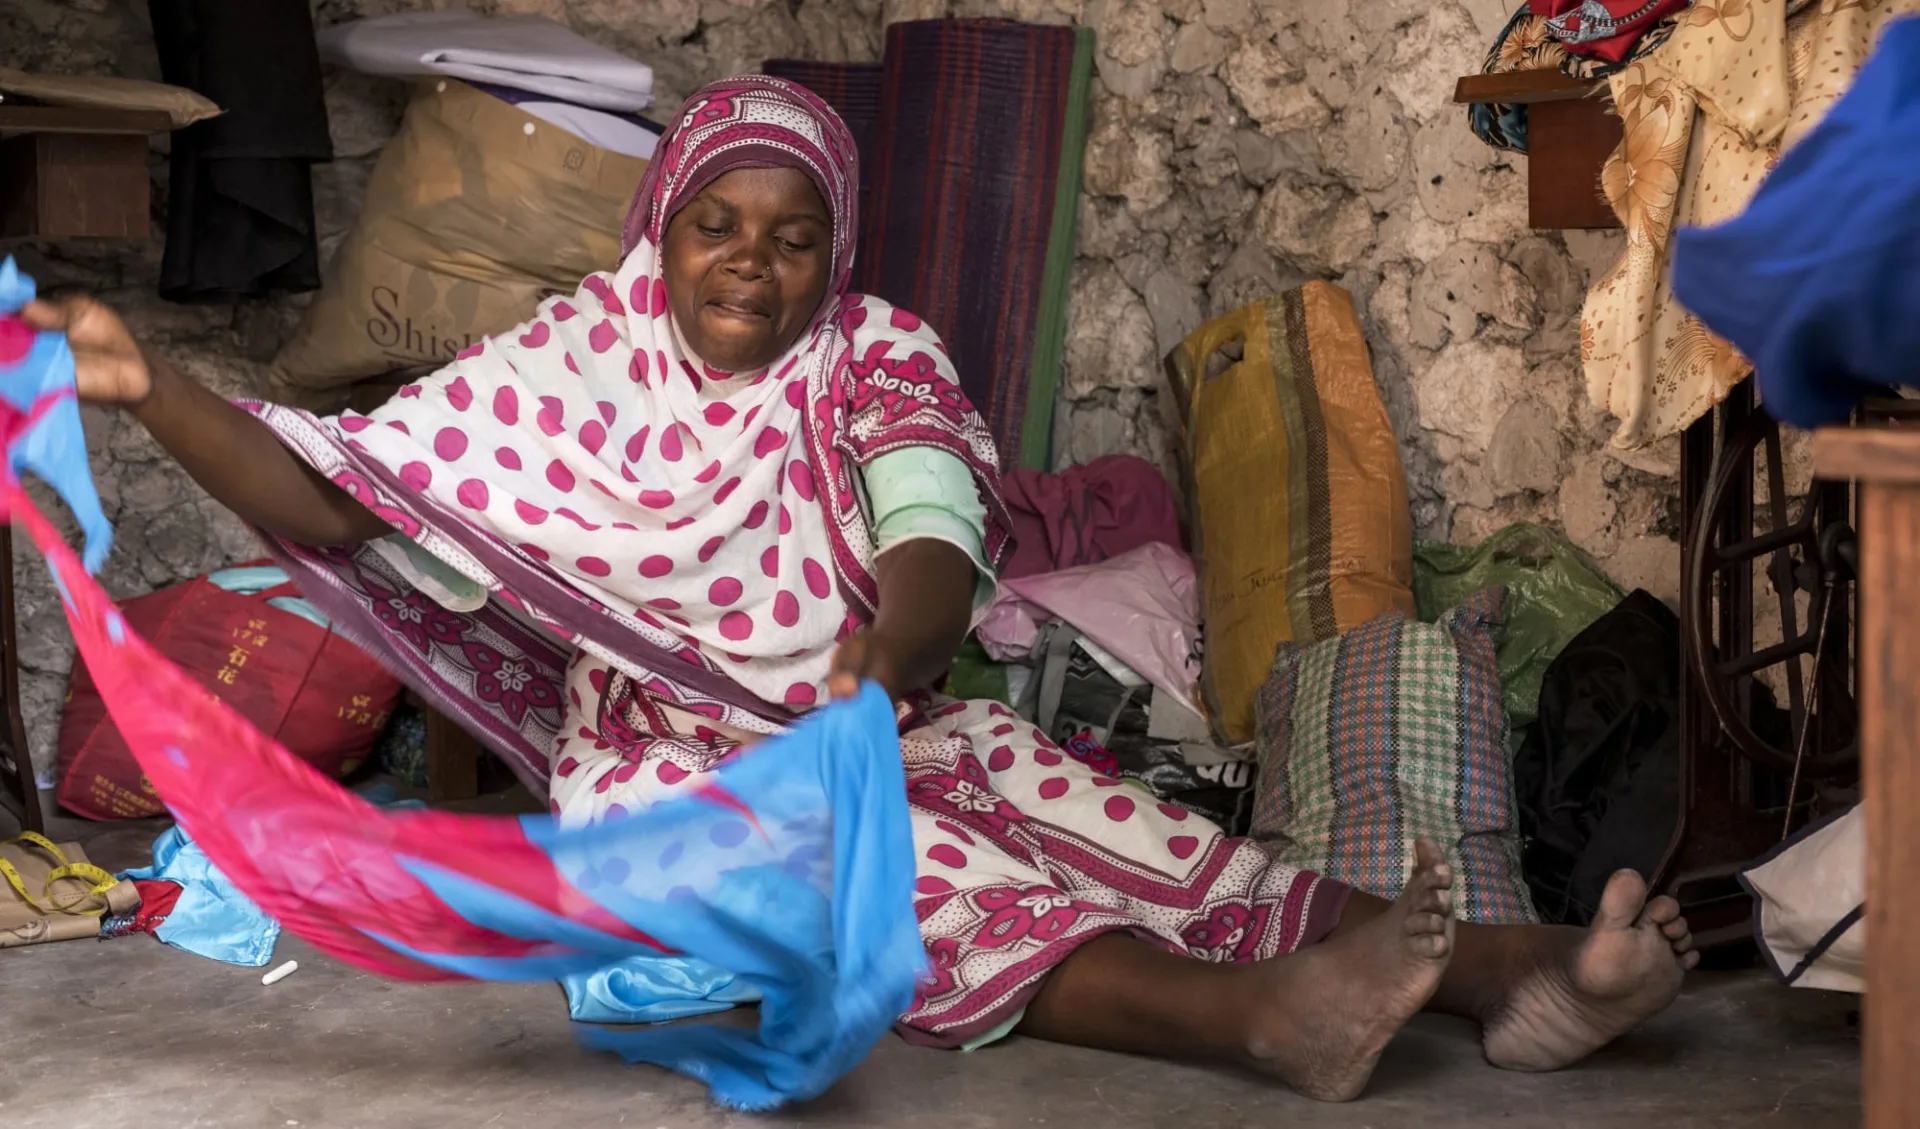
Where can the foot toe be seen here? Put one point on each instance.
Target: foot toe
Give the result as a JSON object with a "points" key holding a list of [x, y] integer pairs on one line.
{"points": [[1690, 960], [1418, 923], [1434, 945], [1663, 910], [1675, 929], [1621, 902]]}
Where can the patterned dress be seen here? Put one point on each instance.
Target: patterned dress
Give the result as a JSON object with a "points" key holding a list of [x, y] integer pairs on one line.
{"points": [[656, 561]]}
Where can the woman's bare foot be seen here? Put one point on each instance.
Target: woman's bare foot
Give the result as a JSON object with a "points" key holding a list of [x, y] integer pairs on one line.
{"points": [[1578, 990], [1330, 1010]]}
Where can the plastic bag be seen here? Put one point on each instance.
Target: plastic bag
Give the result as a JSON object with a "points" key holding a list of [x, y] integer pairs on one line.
{"points": [[1554, 592]]}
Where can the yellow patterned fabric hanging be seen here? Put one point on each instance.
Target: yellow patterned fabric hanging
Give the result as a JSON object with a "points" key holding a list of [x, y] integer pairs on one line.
{"points": [[1705, 117]]}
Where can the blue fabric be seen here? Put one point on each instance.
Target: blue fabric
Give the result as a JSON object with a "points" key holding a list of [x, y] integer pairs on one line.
{"points": [[828, 941], [653, 990], [1818, 280], [212, 919], [56, 448], [249, 579]]}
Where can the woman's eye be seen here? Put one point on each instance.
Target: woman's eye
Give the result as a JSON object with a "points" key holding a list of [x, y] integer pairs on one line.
{"points": [[793, 247], [712, 232]]}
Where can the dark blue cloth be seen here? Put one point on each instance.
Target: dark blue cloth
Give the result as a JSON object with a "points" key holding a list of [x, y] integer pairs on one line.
{"points": [[1818, 281]]}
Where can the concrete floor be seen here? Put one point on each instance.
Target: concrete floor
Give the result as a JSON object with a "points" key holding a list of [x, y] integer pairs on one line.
{"points": [[129, 1031]]}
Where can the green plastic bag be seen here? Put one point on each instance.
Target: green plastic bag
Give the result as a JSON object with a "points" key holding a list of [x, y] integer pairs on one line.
{"points": [[1554, 592]]}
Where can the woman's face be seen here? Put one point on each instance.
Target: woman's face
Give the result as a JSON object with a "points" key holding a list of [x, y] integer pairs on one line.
{"points": [[746, 264]]}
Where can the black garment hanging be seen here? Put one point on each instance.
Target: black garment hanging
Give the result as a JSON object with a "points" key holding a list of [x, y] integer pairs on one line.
{"points": [[1597, 778], [240, 206]]}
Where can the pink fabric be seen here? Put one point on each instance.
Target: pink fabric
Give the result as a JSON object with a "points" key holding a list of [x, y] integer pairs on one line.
{"points": [[1087, 514], [1142, 607]]}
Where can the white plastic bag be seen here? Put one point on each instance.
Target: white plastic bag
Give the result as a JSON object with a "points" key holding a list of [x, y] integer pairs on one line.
{"points": [[1812, 895]]}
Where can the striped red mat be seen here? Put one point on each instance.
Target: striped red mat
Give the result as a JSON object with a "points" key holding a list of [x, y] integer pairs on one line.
{"points": [[971, 135]]}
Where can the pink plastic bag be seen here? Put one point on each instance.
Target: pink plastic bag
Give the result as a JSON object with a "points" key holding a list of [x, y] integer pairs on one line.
{"points": [[1142, 607]]}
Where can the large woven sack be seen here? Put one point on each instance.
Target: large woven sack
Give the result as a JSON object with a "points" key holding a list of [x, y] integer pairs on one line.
{"points": [[315, 692], [1299, 502], [476, 211]]}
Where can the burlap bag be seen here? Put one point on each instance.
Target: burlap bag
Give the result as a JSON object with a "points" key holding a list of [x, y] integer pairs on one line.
{"points": [[50, 892], [1298, 498], [475, 212]]}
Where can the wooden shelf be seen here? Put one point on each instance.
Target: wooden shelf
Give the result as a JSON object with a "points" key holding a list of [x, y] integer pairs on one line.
{"points": [[1524, 87], [69, 119], [67, 172], [1571, 130]]}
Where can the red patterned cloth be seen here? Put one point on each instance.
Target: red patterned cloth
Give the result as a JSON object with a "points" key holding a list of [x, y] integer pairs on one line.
{"points": [[157, 899], [1604, 29]]}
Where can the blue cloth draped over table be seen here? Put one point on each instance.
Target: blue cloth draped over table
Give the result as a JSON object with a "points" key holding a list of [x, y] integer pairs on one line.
{"points": [[1818, 281]]}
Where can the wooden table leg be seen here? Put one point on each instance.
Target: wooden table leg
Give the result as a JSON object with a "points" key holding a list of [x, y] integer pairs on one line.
{"points": [[453, 760], [1890, 781], [17, 787]]}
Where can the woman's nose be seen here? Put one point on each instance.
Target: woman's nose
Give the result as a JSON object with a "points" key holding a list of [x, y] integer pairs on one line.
{"points": [[752, 258]]}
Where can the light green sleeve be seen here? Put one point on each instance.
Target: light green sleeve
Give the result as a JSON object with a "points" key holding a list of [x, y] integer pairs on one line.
{"points": [[926, 492]]}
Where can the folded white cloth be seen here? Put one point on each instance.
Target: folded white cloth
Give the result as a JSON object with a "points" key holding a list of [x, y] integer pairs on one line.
{"points": [[525, 52]]}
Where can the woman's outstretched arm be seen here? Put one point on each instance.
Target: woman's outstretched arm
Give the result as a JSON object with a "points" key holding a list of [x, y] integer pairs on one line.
{"points": [[233, 456]]}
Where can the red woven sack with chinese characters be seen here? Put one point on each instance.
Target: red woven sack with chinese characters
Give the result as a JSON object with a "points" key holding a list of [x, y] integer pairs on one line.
{"points": [[316, 693]]}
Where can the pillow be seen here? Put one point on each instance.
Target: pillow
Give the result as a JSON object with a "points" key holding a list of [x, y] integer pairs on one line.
{"points": [[1393, 732]]}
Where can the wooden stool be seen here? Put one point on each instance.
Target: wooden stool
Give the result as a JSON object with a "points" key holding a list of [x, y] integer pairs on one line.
{"points": [[69, 172]]}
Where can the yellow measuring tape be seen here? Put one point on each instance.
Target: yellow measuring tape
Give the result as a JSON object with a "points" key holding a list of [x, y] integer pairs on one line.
{"points": [[99, 880]]}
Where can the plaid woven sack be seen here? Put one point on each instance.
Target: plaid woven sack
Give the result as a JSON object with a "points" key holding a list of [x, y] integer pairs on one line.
{"points": [[1390, 733]]}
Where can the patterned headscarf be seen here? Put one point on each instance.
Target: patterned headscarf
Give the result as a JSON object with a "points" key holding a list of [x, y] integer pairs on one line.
{"points": [[752, 122]]}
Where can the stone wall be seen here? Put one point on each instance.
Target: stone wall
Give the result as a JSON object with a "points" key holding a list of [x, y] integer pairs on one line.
{"points": [[1237, 147]]}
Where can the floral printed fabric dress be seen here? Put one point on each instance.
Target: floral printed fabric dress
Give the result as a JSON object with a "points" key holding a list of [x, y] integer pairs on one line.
{"points": [[1025, 852]]}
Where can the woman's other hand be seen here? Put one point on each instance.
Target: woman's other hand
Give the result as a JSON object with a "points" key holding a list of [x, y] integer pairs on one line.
{"points": [[867, 656], [107, 363]]}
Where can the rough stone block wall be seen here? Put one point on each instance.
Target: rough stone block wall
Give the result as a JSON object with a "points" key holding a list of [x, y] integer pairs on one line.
{"points": [[1237, 147]]}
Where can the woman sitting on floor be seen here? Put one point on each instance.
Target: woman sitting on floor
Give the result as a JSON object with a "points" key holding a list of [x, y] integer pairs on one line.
{"points": [[687, 503]]}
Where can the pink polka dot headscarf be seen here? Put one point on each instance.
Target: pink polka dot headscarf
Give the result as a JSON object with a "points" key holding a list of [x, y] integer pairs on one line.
{"points": [[751, 122]]}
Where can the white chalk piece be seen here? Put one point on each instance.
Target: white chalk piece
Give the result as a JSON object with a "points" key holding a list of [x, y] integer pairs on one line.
{"points": [[281, 973]]}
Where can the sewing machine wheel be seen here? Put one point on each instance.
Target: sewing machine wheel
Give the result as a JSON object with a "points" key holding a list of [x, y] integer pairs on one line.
{"points": [[1813, 555]]}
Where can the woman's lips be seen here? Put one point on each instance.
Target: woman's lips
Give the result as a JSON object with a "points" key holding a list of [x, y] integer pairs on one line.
{"points": [[742, 308]]}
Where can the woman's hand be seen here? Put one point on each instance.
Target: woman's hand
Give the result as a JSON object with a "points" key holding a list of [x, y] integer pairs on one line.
{"points": [[232, 455], [108, 367], [926, 600], [867, 656]]}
